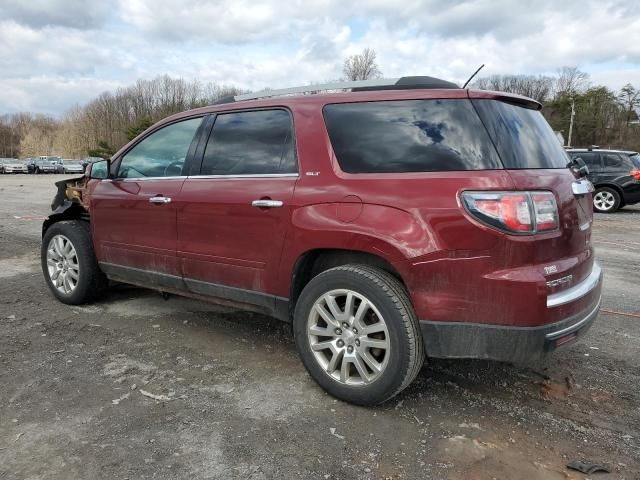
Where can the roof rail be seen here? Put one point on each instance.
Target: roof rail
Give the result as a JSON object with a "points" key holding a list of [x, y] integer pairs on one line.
{"points": [[402, 83]]}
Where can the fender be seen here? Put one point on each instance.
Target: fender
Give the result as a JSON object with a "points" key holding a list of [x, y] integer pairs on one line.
{"points": [[64, 208], [386, 232]]}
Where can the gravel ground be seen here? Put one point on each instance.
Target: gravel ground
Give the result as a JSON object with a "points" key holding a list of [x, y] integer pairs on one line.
{"points": [[77, 387]]}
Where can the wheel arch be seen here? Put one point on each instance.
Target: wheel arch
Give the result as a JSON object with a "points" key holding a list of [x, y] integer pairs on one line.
{"points": [[613, 186], [68, 210], [313, 262]]}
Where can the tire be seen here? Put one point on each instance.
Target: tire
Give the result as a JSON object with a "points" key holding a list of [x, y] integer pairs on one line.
{"points": [[606, 200], [67, 252], [387, 337]]}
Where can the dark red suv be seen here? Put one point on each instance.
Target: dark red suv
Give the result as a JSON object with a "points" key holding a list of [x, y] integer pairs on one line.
{"points": [[387, 223]]}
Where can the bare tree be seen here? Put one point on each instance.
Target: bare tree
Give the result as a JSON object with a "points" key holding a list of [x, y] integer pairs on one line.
{"points": [[571, 81], [537, 87], [362, 66]]}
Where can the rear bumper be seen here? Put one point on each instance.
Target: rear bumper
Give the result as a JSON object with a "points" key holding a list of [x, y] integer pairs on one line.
{"points": [[510, 343]]}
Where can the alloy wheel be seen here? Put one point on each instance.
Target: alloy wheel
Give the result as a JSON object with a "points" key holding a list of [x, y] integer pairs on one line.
{"points": [[348, 337], [62, 264], [604, 200]]}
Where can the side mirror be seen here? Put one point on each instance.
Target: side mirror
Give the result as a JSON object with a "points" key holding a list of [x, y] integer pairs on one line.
{"points": [[579, 168], [99, 170]]}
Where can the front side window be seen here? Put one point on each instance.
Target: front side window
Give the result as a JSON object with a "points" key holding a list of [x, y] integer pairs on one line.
{"points": [[161, 154], [250, 143], [409, 136]]}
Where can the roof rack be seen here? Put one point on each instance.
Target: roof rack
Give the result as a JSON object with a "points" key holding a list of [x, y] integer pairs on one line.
{"points": [[403, 83]]}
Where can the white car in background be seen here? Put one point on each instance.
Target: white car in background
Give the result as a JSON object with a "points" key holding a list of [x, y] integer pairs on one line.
{"points": [[11, 165]]}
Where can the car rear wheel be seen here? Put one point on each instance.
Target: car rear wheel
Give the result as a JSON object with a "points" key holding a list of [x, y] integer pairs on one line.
{"points": [[69, 263], [357, 334], [606, 200]]}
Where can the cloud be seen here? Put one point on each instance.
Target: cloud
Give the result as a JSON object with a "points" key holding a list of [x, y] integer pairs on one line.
{"points": [[52, 95], [80, 14], [265, 43], [26, 51]]}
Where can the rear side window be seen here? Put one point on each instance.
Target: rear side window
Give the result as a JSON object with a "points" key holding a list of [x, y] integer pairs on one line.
{"points": [[409, 136], [250, 143], [612, 162], [522, 136], [635, 159]]}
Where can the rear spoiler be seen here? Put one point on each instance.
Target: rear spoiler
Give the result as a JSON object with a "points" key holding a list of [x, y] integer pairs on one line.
{"points": [[512, 98]]}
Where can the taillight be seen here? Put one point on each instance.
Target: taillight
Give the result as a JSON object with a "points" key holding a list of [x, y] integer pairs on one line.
{"points": [[514, 212], [635, 173]]}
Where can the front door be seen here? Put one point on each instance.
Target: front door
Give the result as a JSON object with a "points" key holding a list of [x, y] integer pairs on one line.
{"points": [[134, 213], [234, 215]]}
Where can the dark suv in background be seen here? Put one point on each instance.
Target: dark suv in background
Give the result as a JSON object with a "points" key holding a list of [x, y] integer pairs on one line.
{"points": [[615, 175], [387, 223]]}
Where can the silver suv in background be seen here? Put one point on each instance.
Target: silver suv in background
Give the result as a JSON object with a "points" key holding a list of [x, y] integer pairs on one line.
{"points": [[46, 165]]}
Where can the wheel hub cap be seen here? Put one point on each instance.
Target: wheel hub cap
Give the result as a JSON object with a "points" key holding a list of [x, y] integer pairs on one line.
{"points": [[348, 337], [62, 264], [604, 200]]}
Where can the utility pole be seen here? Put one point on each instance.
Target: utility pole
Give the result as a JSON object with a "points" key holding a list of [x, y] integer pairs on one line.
{"points": [[573, 114]]}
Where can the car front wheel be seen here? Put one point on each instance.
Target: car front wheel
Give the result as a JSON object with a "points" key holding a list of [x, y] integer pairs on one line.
{"points": [[606, 200], [69, 263], [357, 334]]}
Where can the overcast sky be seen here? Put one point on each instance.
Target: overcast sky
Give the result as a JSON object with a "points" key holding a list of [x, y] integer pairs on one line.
{"points": [[57, 53]]}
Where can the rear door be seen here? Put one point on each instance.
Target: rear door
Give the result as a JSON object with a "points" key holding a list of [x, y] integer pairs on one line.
{"points": [[235, 212], [134, 213]]}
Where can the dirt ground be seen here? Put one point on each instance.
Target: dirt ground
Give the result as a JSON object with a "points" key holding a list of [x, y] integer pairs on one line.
{"points": [[76, 386]]}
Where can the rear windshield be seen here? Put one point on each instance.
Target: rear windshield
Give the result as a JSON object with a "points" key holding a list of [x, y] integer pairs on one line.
{"points": [[522, 136], [409, 136]]}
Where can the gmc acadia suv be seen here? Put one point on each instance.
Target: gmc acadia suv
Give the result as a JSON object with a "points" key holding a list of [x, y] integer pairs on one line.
{"points": [[387, 223]]}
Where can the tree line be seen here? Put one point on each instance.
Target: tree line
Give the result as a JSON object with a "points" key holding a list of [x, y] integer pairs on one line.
{"points": [[109, 121], [601, 116]]}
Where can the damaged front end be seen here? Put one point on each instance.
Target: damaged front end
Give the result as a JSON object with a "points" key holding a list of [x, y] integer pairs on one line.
{"points": [[70, 202], [70, 190]]}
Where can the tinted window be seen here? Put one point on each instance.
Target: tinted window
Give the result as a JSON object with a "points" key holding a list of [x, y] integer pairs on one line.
{"points": [[591, 159], [522, 136], [612, 162], [635, 159], [409, 136], [161, 154], [250, 143]]}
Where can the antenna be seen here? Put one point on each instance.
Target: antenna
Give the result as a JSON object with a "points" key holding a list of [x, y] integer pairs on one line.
{"points": [[471, 77]]}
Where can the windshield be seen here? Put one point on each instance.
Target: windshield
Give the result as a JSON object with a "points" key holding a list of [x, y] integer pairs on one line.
{"points": [[522, 136]]}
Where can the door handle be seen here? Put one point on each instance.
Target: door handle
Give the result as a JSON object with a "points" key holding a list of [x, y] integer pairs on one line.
{"points": [[267, 203], [160, 200]]}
